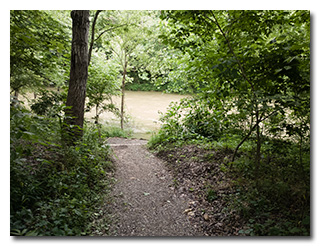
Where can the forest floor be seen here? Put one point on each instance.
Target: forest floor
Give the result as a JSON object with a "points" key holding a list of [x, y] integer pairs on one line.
{"points": [[150, 198]]}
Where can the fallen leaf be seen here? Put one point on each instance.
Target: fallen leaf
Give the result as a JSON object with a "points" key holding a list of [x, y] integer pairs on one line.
{"points": [[206, 217], [191, 214]]}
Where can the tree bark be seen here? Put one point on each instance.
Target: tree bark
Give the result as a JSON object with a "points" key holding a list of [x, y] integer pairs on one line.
{"points": [[242, 141], [74, 113]]}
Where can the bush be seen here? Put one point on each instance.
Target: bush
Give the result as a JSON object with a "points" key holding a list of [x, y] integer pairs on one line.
{"points": [[277, 203], [190, 120], [54, 189], [48, 103], [272, 197]]}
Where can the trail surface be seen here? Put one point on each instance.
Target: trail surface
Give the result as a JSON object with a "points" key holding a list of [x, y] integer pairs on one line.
{"points": [[146, 203]]}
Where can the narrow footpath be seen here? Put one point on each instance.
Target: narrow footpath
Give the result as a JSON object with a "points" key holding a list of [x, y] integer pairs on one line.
{"points": [[145, 200]]}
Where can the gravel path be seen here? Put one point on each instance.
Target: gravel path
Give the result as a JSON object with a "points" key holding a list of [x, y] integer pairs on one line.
{"points": [[146, 203]]}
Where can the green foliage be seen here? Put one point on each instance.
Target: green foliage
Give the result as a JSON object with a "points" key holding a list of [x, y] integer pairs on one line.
{"points": [[114, 131], [39, 46], [102, 85], [264, 216], [48, 103], [211, 195], [249, 60], [143, 84], [54, 190], [190, 119]]}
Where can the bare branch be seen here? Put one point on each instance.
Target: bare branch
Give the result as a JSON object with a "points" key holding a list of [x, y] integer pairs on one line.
{"points": [[110, 29], [92, 34], [250, 131]]}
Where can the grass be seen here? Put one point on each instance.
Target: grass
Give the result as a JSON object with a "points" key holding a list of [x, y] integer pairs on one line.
{"points": [[114, 131]]}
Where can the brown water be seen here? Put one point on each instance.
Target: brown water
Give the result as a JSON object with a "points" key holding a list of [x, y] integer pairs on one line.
{"points": [[142, 108]]}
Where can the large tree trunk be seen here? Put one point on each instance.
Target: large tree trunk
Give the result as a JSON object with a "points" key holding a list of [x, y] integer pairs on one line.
{"points": [[78, 77]]}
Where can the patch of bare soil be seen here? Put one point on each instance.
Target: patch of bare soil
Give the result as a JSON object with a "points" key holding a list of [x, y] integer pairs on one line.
{"points": [[146, 202], [197, 173]]}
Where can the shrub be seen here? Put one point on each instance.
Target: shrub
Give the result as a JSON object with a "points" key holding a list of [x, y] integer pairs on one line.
{"points": [[190, 120], [54, 189]]}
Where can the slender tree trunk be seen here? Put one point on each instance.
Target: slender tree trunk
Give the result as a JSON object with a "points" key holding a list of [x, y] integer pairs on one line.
{"points": [[92, 35], [74, 113], [250, 131], [258, 150], [16, 94], [300, 157], [122, 92], [97, 121], [97, 114], [242, 141], [15, 97]]}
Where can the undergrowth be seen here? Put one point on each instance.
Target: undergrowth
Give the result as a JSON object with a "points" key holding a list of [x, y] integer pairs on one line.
{"points": [[55, 190], [274, 198]]}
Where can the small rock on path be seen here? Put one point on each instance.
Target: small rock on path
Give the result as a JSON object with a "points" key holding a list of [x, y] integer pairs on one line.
{"points": [[145, 201]]}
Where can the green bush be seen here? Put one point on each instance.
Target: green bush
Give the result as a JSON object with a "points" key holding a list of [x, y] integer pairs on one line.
{"points": [[48, 103], [274, 197], [54, 189], [190, 120], [114, 131]]}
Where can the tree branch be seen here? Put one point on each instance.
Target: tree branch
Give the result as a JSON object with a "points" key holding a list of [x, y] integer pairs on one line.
{"points": [[251, 130], [92, 35], [244, 75], [110, 29]]}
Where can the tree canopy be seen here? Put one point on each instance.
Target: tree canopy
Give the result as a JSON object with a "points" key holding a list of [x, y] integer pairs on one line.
{"points": [[39, 49]]}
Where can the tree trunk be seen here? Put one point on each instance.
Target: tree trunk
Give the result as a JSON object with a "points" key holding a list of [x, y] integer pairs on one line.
{"points": [[97, 114], [258, 150], [74, 113], [122, 93], [16, 94], [15, 97], [92, 34]]}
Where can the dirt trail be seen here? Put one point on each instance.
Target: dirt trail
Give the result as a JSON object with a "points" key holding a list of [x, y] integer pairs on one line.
{"points": [[146, 203]]}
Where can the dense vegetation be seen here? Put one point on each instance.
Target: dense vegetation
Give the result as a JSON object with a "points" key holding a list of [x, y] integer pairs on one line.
{"points": [[248, 77], [55, 188], [250, 73]]}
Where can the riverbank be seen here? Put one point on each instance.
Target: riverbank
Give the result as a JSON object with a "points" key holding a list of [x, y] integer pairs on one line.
{"points": [[142, 110]]}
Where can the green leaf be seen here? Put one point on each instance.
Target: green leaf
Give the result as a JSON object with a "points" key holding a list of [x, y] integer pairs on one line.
{"points": [[306, 220], [278, 70]]}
